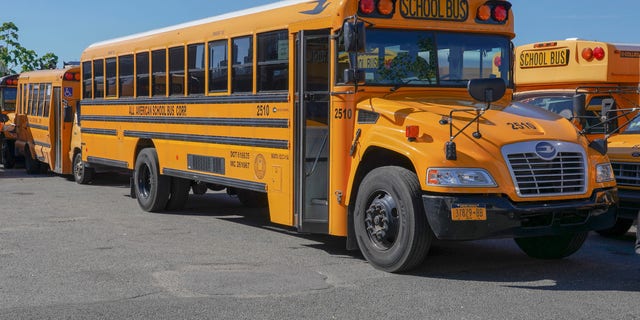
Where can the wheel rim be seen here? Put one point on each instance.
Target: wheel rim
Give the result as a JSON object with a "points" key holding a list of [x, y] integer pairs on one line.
{"points": [[381, 220], [78, 169], [144, 181]]}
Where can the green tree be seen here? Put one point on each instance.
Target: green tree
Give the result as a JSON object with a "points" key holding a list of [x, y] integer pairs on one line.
{"points": [[16, 58]]}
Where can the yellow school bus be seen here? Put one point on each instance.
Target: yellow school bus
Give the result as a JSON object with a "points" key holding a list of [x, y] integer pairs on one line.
{"points": [[551, 74], [47, 102], [8, 88], [353, 118]]}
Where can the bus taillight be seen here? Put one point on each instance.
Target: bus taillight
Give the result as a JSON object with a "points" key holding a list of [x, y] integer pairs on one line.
{"points": [[598, 53], [72, 76], [589, 54], [367, 6], [385, 7], [493, 12], [377, 8]]}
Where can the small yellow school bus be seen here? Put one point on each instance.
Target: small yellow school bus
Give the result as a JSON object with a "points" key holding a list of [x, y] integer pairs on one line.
{"points": [[388, 122], [8, 89], [47, 102], [551, 74]]}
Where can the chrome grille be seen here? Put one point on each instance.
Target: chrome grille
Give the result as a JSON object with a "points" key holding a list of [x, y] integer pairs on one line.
{"points": [[627, 174], [533, 176]]}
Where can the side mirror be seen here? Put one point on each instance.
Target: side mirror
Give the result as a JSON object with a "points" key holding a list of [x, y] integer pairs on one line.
{"points": [[486, 90], [354, 36], [607, 106], [580, 108], [3, 118], [352, 76]]}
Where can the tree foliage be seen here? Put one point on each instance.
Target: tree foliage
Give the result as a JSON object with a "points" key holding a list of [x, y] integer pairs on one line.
{"points": [[16, 58]]}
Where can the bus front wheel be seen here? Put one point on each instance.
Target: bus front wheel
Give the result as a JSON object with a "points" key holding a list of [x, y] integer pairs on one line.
{"points": [[151, 188], [81, 173], [552, 247], [389, 220]]}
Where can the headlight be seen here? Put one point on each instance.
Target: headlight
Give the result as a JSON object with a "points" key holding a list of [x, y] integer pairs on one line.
{"points": [[459, 177], [604, 172]]}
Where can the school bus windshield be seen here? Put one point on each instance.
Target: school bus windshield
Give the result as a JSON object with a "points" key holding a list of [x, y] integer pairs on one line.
{"points": [[633, 127], [420, 58]]}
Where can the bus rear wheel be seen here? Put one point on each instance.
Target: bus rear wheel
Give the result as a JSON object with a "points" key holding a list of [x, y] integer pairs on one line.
{"points": [[552, 247], [81, 173], [389, 220], [178, 193], [151, 188], [31, 165]]}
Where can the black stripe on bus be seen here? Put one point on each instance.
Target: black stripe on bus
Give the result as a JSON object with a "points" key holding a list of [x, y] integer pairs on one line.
{"points": [[37, 126], [258, 98], [108, 162], [42, 144], [229, 182], [250, 142], [238, 122], [106, 132]]}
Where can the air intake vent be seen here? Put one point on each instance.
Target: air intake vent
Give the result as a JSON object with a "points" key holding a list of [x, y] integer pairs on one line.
{"points": [[204, 163]]}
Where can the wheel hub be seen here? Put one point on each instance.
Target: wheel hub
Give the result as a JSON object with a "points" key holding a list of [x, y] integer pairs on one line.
{"points": [[381, 221]]}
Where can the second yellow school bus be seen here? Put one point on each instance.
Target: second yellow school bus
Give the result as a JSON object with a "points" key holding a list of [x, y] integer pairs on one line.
{"points": [[47, 134], [353, 118], [550, 74]]}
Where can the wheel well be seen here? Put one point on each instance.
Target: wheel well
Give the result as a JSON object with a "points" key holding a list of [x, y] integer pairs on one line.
{"points": [[374, 157], [142, 144]]}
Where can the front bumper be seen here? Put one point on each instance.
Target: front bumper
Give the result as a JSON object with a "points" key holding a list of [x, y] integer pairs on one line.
{"points": [[629, 203], [505, 218]]}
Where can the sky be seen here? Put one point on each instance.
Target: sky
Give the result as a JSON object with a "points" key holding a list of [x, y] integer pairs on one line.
{"points": [[67, 27]]}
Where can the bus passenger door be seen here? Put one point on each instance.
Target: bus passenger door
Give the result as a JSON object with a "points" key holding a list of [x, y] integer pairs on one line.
{"points": [[56, 140], [312, 131]]}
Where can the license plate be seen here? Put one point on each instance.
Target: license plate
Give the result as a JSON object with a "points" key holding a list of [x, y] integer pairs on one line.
{"points": [[466, 212], [544, 58]]}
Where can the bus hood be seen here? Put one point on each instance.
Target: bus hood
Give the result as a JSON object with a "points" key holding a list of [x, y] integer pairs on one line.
{"points": [[439, 119], [503, 122]]}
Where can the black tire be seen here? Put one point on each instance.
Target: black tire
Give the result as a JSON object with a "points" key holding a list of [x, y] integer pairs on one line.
{"points": [[389, 220], [552, 247], [178, 193], [81, 173], [252, 199], [152, 188], [31, 165], [199, 188], [621, 227], [7, 154]]}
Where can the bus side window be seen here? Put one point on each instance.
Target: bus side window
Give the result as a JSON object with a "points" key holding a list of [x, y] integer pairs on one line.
{"points": [[176, 71], [142, 74], [195, 65], [273, 61], [98, 78], [218, 69], [125, 76], [242, 71], [159, 72]]}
